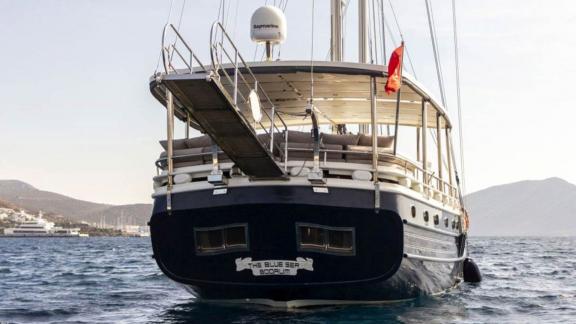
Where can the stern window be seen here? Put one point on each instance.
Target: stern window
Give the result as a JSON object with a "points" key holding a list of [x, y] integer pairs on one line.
{"points": [[332, 240], [221, 239]]}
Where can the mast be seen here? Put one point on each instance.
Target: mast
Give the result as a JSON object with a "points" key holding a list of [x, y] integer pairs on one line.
{"points": [[336, 48], [362, 31]]}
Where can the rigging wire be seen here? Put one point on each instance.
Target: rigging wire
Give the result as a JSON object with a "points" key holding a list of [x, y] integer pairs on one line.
{"points": [[181, 15], [383, 32], [435, 50], [167, 22], [220, 11], [370, 47], [280, 45], [375, 35], [235, 20], [458, 96], [402, 38]]}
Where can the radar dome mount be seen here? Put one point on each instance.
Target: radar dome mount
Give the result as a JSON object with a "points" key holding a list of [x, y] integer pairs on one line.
{"points": [[268, 26]]}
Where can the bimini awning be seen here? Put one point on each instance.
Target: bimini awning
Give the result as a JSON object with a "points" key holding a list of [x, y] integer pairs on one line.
{"points": [[341, 93]]}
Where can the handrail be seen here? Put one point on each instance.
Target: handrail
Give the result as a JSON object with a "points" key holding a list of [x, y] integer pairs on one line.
{"points": [[406, 165], [220, 40], [173, 54], [168, 51], [426, 174]]}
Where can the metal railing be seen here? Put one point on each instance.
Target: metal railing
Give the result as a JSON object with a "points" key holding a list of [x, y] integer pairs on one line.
{"points": [[229, 65], [429, 181], [178, 48], [231, 70]]}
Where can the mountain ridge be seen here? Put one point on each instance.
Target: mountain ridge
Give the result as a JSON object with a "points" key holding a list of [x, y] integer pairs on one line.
{"points": [[530, 207], [28, 197]]}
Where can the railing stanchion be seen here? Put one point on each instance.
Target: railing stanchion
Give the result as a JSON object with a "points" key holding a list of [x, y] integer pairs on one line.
{"points": [[236, 79], [424, 142], [286, 150], [272, 129], [169, 147], [375, 153]]}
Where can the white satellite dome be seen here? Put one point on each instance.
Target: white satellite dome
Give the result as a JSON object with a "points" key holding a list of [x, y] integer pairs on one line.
{"points": [[268, 25]]}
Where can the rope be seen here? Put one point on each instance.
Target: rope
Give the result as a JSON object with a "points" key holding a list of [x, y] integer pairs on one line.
{"points": [[458, 96], [435, 50]]}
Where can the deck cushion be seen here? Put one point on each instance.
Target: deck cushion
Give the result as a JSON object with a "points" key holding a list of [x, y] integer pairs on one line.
{"points": [[383, 141], [185, 157], [300, 137], [200, 141], [343, 140], [178, 144], [366, 156]]}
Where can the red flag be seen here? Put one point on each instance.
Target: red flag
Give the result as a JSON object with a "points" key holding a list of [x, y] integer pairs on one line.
{"points": [[395, 70]]}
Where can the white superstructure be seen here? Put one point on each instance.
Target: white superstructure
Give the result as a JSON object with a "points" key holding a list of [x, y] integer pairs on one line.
{"points": [[41, 228]]}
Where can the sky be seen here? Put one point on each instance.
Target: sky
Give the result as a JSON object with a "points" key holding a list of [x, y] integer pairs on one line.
{"points": [[77, 117]]}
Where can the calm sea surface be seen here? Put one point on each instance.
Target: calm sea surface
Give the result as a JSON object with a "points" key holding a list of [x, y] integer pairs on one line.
{"points": [[114, 280]]}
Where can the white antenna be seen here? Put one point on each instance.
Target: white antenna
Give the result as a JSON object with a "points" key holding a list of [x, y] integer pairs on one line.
{"points": [[268, 26]]}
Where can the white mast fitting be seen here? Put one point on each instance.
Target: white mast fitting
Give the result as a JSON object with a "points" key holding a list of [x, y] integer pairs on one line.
{"points": [[336, 48], [362, 31]]}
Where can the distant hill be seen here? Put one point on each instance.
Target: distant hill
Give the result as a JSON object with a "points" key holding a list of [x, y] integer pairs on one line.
{"points": [[23, 195], [541, 208], [5, 204]]}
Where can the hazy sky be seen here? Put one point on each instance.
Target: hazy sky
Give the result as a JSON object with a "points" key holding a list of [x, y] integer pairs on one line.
{"points": [[76, 115]]}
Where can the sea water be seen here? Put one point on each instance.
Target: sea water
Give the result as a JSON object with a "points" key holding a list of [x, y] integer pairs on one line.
{"points": [[115, 280]]}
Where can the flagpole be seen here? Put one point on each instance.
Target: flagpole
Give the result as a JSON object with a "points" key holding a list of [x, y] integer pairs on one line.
{"points": [[398, 102]]}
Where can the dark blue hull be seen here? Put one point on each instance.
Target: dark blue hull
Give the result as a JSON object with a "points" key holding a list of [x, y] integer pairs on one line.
{"points": [[377, 271]]}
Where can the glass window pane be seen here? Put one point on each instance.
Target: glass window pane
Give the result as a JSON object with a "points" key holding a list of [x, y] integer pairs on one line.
{"points": [[235, 236], [206, 240], [340, 239], [311, 236]]}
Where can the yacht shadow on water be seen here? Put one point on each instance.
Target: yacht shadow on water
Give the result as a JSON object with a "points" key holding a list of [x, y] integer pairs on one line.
{"points": [[427, 309]]}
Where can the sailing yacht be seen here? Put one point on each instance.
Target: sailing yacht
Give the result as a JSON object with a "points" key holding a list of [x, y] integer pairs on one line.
{"points": [[310, 185]]}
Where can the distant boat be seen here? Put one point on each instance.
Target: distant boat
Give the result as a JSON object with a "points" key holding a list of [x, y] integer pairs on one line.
{"points": [[41, 228]]}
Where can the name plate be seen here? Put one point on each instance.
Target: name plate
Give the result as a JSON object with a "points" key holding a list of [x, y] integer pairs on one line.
{"points": [[274, 267]]}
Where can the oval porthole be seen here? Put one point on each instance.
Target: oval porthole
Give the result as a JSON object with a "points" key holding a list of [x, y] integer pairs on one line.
{"points": [[426, 216], [413, 211], [436, 220], [453, 224], [446, 222]]}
